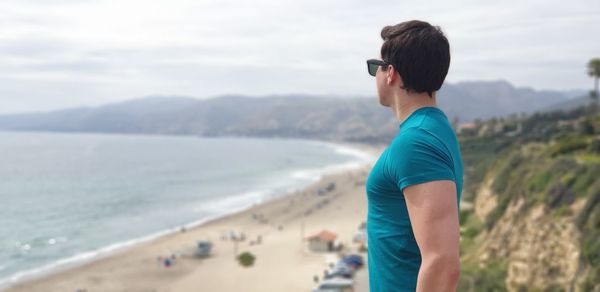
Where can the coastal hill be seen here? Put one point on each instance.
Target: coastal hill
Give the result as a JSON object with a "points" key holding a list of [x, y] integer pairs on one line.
{"points": [[290, 116], [530, 219], [570, 104]]}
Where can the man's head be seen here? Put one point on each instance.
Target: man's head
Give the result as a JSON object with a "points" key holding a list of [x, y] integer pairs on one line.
{"points": [[418, 55]]}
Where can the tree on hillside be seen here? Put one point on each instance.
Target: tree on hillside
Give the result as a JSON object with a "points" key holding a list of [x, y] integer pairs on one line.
{"points": [[593, 70], [455, 123]]}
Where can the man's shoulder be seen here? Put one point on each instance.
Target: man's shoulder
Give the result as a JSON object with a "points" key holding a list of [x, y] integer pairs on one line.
{"points": [[410, 140], [437, 127], [419, 139], [412, 136], [436, 122]]}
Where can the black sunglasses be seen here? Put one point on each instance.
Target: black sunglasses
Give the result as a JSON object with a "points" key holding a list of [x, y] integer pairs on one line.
{"points": [[373, 64]]}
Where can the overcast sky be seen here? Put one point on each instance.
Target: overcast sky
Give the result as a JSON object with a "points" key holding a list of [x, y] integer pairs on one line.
{"points": [[64, 53]]}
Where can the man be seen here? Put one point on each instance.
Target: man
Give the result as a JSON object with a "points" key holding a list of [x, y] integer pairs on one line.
{"points": [[414, 187]]}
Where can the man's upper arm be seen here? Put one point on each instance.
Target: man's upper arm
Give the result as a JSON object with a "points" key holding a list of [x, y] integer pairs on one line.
{"points": [[423, 171], [433, 213]]}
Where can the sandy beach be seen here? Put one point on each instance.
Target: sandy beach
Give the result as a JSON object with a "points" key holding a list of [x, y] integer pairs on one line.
{"points": [[283, 259]]}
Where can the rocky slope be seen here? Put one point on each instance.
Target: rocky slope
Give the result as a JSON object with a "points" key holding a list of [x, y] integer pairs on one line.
{"points": [[535, 222]]}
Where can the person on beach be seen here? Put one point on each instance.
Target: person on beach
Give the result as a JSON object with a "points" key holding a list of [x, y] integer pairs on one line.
{"points": [[414, 188]]}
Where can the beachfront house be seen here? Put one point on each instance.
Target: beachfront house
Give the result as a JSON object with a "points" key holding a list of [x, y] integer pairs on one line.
{"points": [[322, 241]]}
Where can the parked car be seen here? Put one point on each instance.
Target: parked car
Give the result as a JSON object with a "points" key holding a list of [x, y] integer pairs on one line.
{"points": [[340, 270], [354, 261], [335, 285]]}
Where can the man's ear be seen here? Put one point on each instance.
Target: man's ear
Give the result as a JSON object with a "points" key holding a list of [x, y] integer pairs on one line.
{"points": [[392, 76]]}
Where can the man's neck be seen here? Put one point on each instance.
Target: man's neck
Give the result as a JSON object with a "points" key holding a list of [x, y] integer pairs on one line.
{"points": [[405, 105]]}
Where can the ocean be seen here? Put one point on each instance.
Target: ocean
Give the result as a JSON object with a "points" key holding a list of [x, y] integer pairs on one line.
{"points": [[67, 198]]}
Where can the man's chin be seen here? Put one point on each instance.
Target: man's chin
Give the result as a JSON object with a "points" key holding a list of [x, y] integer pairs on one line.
{"points": [[383, 103]]}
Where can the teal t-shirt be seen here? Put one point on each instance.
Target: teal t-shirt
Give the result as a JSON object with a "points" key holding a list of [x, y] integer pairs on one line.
{"points": [[425, 149]]}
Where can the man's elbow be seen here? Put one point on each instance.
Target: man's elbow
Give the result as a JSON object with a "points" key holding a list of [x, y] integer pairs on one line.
{"points": [[454, 273], [446, 267]]}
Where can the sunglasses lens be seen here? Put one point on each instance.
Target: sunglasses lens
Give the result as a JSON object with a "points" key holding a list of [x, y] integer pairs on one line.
{"points": [[373, 69]]}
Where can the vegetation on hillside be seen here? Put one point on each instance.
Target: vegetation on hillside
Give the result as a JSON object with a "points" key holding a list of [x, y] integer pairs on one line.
{"points": [[545, 158]]}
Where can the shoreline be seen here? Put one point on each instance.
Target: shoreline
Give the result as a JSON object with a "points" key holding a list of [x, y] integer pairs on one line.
{"points": [[72, 264]]}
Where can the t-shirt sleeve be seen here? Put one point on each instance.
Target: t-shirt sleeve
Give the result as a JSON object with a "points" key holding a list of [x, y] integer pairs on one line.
{"points": [[417, 156]]}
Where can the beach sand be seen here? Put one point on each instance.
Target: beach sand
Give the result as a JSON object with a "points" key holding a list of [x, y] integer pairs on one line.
{"points": [[283, 261]]}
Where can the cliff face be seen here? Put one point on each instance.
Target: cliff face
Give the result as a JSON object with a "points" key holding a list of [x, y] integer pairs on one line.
{"points": [[535, 222], [541, 250], [486, 200]]}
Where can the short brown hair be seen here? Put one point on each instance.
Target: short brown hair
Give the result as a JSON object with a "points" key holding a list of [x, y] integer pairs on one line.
{"points": [[419, 52]]}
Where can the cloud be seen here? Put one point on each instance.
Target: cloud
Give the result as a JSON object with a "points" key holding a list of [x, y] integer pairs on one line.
{"points": [[60, 53]]}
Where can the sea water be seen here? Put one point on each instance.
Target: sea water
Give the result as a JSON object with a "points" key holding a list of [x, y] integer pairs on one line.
{"points": [[67, 198]]}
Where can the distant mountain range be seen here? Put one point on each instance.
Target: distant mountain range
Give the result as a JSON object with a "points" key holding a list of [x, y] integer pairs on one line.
{"points": [[583, 100], [486, 99], [298, 116]]}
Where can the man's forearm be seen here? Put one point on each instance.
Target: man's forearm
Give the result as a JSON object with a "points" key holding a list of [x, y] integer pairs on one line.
{"points": [[438, 274]]}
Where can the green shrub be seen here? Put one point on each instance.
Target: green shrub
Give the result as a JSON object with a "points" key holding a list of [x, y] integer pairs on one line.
{"points": [[591, 250], [589, 224], [568, 179], [490, 278], [558, 195], [246, 259], [588, 285], [464, 215], [592, 206], [596, 123], [568, 145], [471, 232], [539, 182], [583, 182], [506, 173], [586, 127], [594, 146], [562, 211], [509, 127]]}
